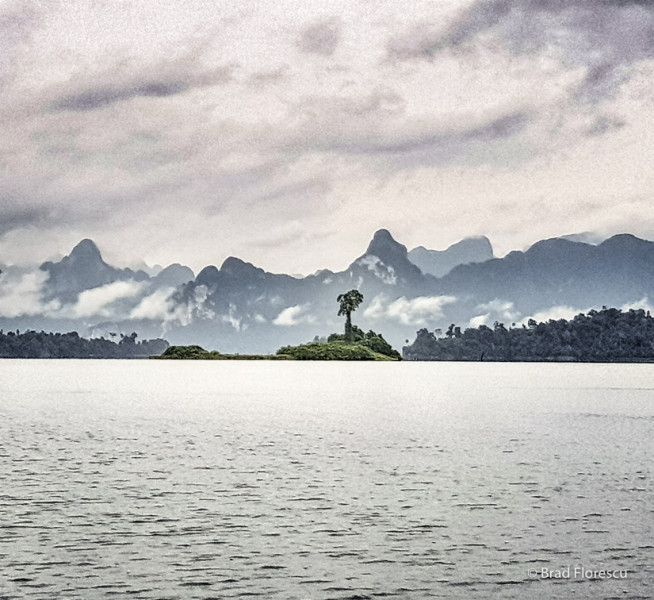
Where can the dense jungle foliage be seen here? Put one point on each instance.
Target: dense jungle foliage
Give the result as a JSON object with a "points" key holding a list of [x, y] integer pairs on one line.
{"points": [[608, 335], [32, 344]]}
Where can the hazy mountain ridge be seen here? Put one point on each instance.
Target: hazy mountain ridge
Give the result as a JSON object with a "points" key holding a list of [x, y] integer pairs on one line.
{"points": [[84, 269], [560, 272], [81, 270], [441, 262], [240, 307]]}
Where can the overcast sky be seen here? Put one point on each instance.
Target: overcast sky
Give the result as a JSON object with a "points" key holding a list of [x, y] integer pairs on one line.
{"points": [[287, 132]]}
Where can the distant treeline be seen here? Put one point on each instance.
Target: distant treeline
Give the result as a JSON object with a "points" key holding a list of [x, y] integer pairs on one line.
{"points": [[32, 344], [608, 335]]}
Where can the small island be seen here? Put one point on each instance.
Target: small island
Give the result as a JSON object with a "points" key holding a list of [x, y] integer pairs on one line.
{"points": [[199, 353], [353, 344], [363, 346]]}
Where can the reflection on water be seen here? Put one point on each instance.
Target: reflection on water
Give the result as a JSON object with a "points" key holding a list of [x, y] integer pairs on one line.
{"points": [[315, 481]]}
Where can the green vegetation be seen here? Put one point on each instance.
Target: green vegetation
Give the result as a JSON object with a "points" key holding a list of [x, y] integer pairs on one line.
{"points": [[609, 335], [32, 344], [187, 353], [372, 340], [199, 353], [331, 351], [364, 346]]}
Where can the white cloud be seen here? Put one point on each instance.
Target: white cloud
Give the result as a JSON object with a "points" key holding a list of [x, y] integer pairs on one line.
{"points": [[384, 272], [155, 306], [376, 309], [480, 320], [21, 294], [97, 301], [417, 311], [294, 315], [231, 318], [497, 310], [643, 304], [555, 313]]}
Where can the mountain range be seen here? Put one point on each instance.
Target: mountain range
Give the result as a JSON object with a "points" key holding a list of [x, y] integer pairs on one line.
{"points": [[239, 307]]}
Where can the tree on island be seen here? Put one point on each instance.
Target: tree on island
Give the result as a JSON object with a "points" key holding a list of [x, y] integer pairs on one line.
{"points": [[349, 302]]}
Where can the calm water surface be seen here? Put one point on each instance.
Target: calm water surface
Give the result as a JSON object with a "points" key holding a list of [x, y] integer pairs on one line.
{"points": [[148, 479]]}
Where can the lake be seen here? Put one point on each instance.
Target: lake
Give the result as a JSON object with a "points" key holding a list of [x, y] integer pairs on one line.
{"points": [[293, 480]]}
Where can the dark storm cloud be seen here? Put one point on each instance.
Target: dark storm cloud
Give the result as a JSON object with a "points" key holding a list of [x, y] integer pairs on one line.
{"points": [[502, 127], [604, 123], [321, 37], [447, 141], [18, 210], [444, 146], [163, 81], [376, 124], [605, 36], [17, 218], [105, 96]]}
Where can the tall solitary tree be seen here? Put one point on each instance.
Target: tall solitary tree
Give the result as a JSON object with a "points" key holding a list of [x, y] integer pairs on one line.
{"points": [[349, 302]]}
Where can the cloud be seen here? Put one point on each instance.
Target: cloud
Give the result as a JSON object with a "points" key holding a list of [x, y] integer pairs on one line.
{"points": [[480, 320], [495, 310], [294, 315], [193, 307], [555, 313], [321, 37], [497, 128], [124, 75], [210, 134], [18, 22], [100, 97], [97, 301], [416, 311], [279, 235], [269, 76], [604, 37], [21, 294], [140, 85], [231, 317], [154, 306], [643, 304], [17, 217], [249, 117], [422, 41], [384, 272], [376, 125]]}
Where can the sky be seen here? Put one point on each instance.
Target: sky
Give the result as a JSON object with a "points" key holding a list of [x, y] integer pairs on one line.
{"points": [[287, 132]]}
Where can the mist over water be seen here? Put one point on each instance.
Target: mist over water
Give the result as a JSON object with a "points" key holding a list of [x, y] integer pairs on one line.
{"points": [[159, 479]]}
